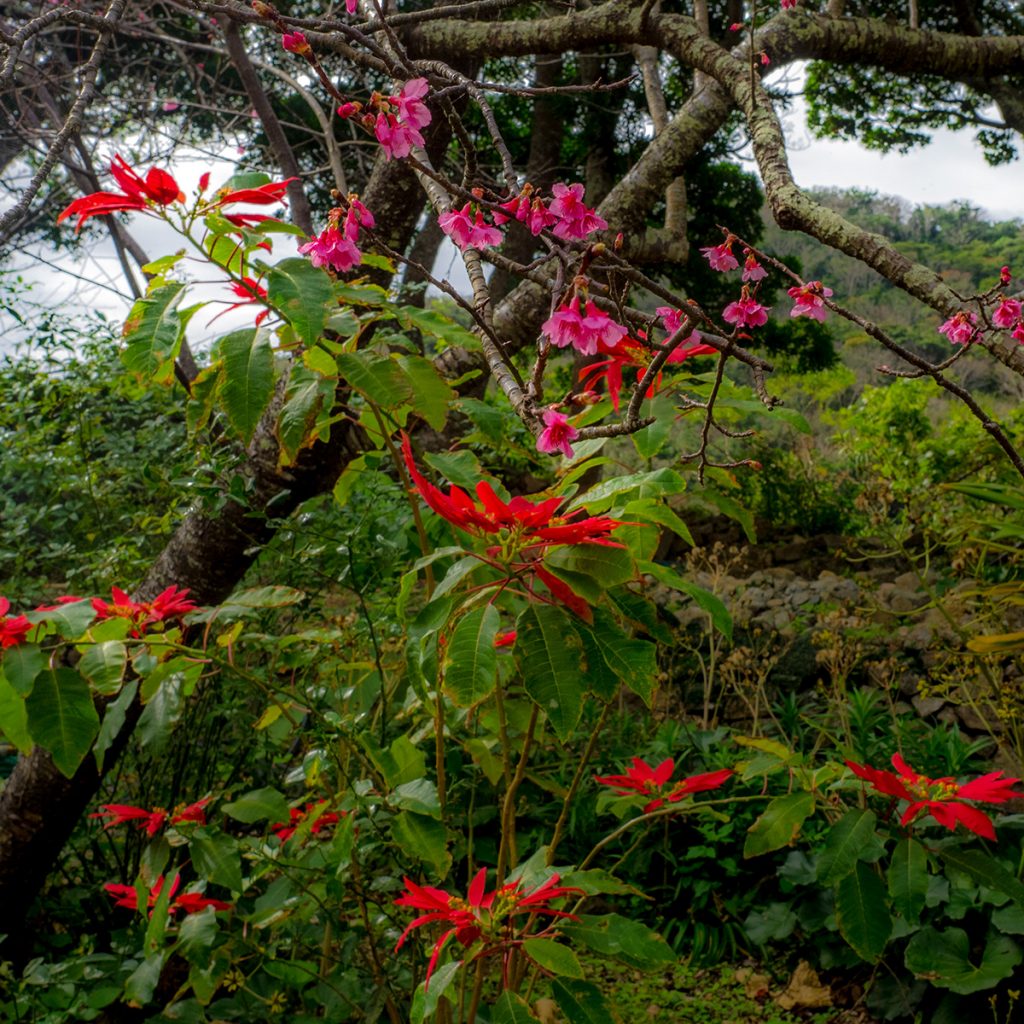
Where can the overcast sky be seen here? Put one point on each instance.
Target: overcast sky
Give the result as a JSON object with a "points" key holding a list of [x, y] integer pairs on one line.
{"points": [[952, 167]]}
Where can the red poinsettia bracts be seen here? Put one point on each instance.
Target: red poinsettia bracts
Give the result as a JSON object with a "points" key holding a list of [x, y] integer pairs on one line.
{"points": [[13, 628], [158, 188], [261, 195], [536, 523], [296, 815], [941, 798], [647, 781], [189, 902], [153, 821], [482, 916], [168, 604]]}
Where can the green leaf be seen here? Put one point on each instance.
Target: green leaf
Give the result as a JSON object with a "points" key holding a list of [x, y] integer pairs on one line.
{"points": [[633, 662], [419, 796], [846, 840], [245, 602], [779, 824], [607, 566], [944, 959], [550, 657], [716, 609], [303, 294], [265, 804], [652, 511], [984, 869], [456, 573], [248, 381], [512, 1009], [216, 858], [21, 664], [162, 712], [142, 982], [553, 957], [908, 878], [597, 881], [430, 397], [621, 939], [306, 396], [153, 333], [470, 659], [196, 935], [71, 620], [377, 376], [650, 439], [581, 1002], [648, 485], [103, 665], [424, 839], [861, 913], [13, 717], [428, 995], [113, 719], [62, 718]]}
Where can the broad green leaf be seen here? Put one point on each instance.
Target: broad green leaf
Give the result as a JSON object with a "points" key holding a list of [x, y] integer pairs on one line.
{"points": [[470, 659], [463, 469], [512, 1009], [401, 762], [908, 878], [62, 718], [113, 719], [554, 957], [437, 325], [425, 840], [265, 804], [21, 664], [581, 1002], [1009, 920], [245, 602], [419, 796], [945, 959], [650, 440], [71, 620], [984, 869], [248, 381], [846, 840], [153, 333], [607, 566], [456, 573], [196, 935], [142, 982], [161, 713], [304, 295], [622, 939], [632, 661], [215, 857], [601, 496], [158, 266], [550, 657], [596, 881], [376, 376], [861, 913], [307, 395], [430, 396], [13, 717], [779, 824], [103, 664], [714, 606], [652, 511], [428, 995]]}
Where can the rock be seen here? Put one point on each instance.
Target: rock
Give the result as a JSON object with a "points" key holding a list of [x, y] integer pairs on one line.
{"points": [[927, 705]]}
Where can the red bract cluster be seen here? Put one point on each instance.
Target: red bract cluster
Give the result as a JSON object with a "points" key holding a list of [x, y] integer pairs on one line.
{"points": [[535, 524], [647, 781], [13, 628], [485, 917], [168, 604], [189, 902], [157, 188], [296, 816], [153, 821], [941, 798]]}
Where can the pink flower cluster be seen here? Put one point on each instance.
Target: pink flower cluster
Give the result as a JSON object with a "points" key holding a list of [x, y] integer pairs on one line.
{"points": [[558, 433], [567, 214], [584, 331], [960, 328], [399, 132], [1008, 314], [335, 246], [746, 311], [810, 300], [467, 230]]}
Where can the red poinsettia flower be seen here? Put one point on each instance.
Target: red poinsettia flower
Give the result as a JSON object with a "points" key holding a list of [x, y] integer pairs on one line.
{"points": [[150, 822], [13, 628], [298, 815], [643, 779], [194, 813], [941, 798], [158, 188], [261, 195], [189, 902], [248, 291], [486, 917], [168, 604]]}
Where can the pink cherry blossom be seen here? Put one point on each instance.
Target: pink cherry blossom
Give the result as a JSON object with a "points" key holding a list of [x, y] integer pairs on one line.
{"points": [[411, 109], [720, 256], [170, 106], [332, 249], [558, 432], [457, 225], [565, 326], [575, 220], [671, 319], [598, 328], [356, 216], [810, 301], [752, 270], [295, 42], [351, 6], [1004, 275], [1007, 313], [484, 234], [960, 328], [787, 4], [396, 138], [746, 312], [1018, 332]]}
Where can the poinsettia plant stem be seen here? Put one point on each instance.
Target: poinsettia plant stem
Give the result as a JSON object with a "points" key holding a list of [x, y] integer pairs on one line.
{"points": [[507, 854]]}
